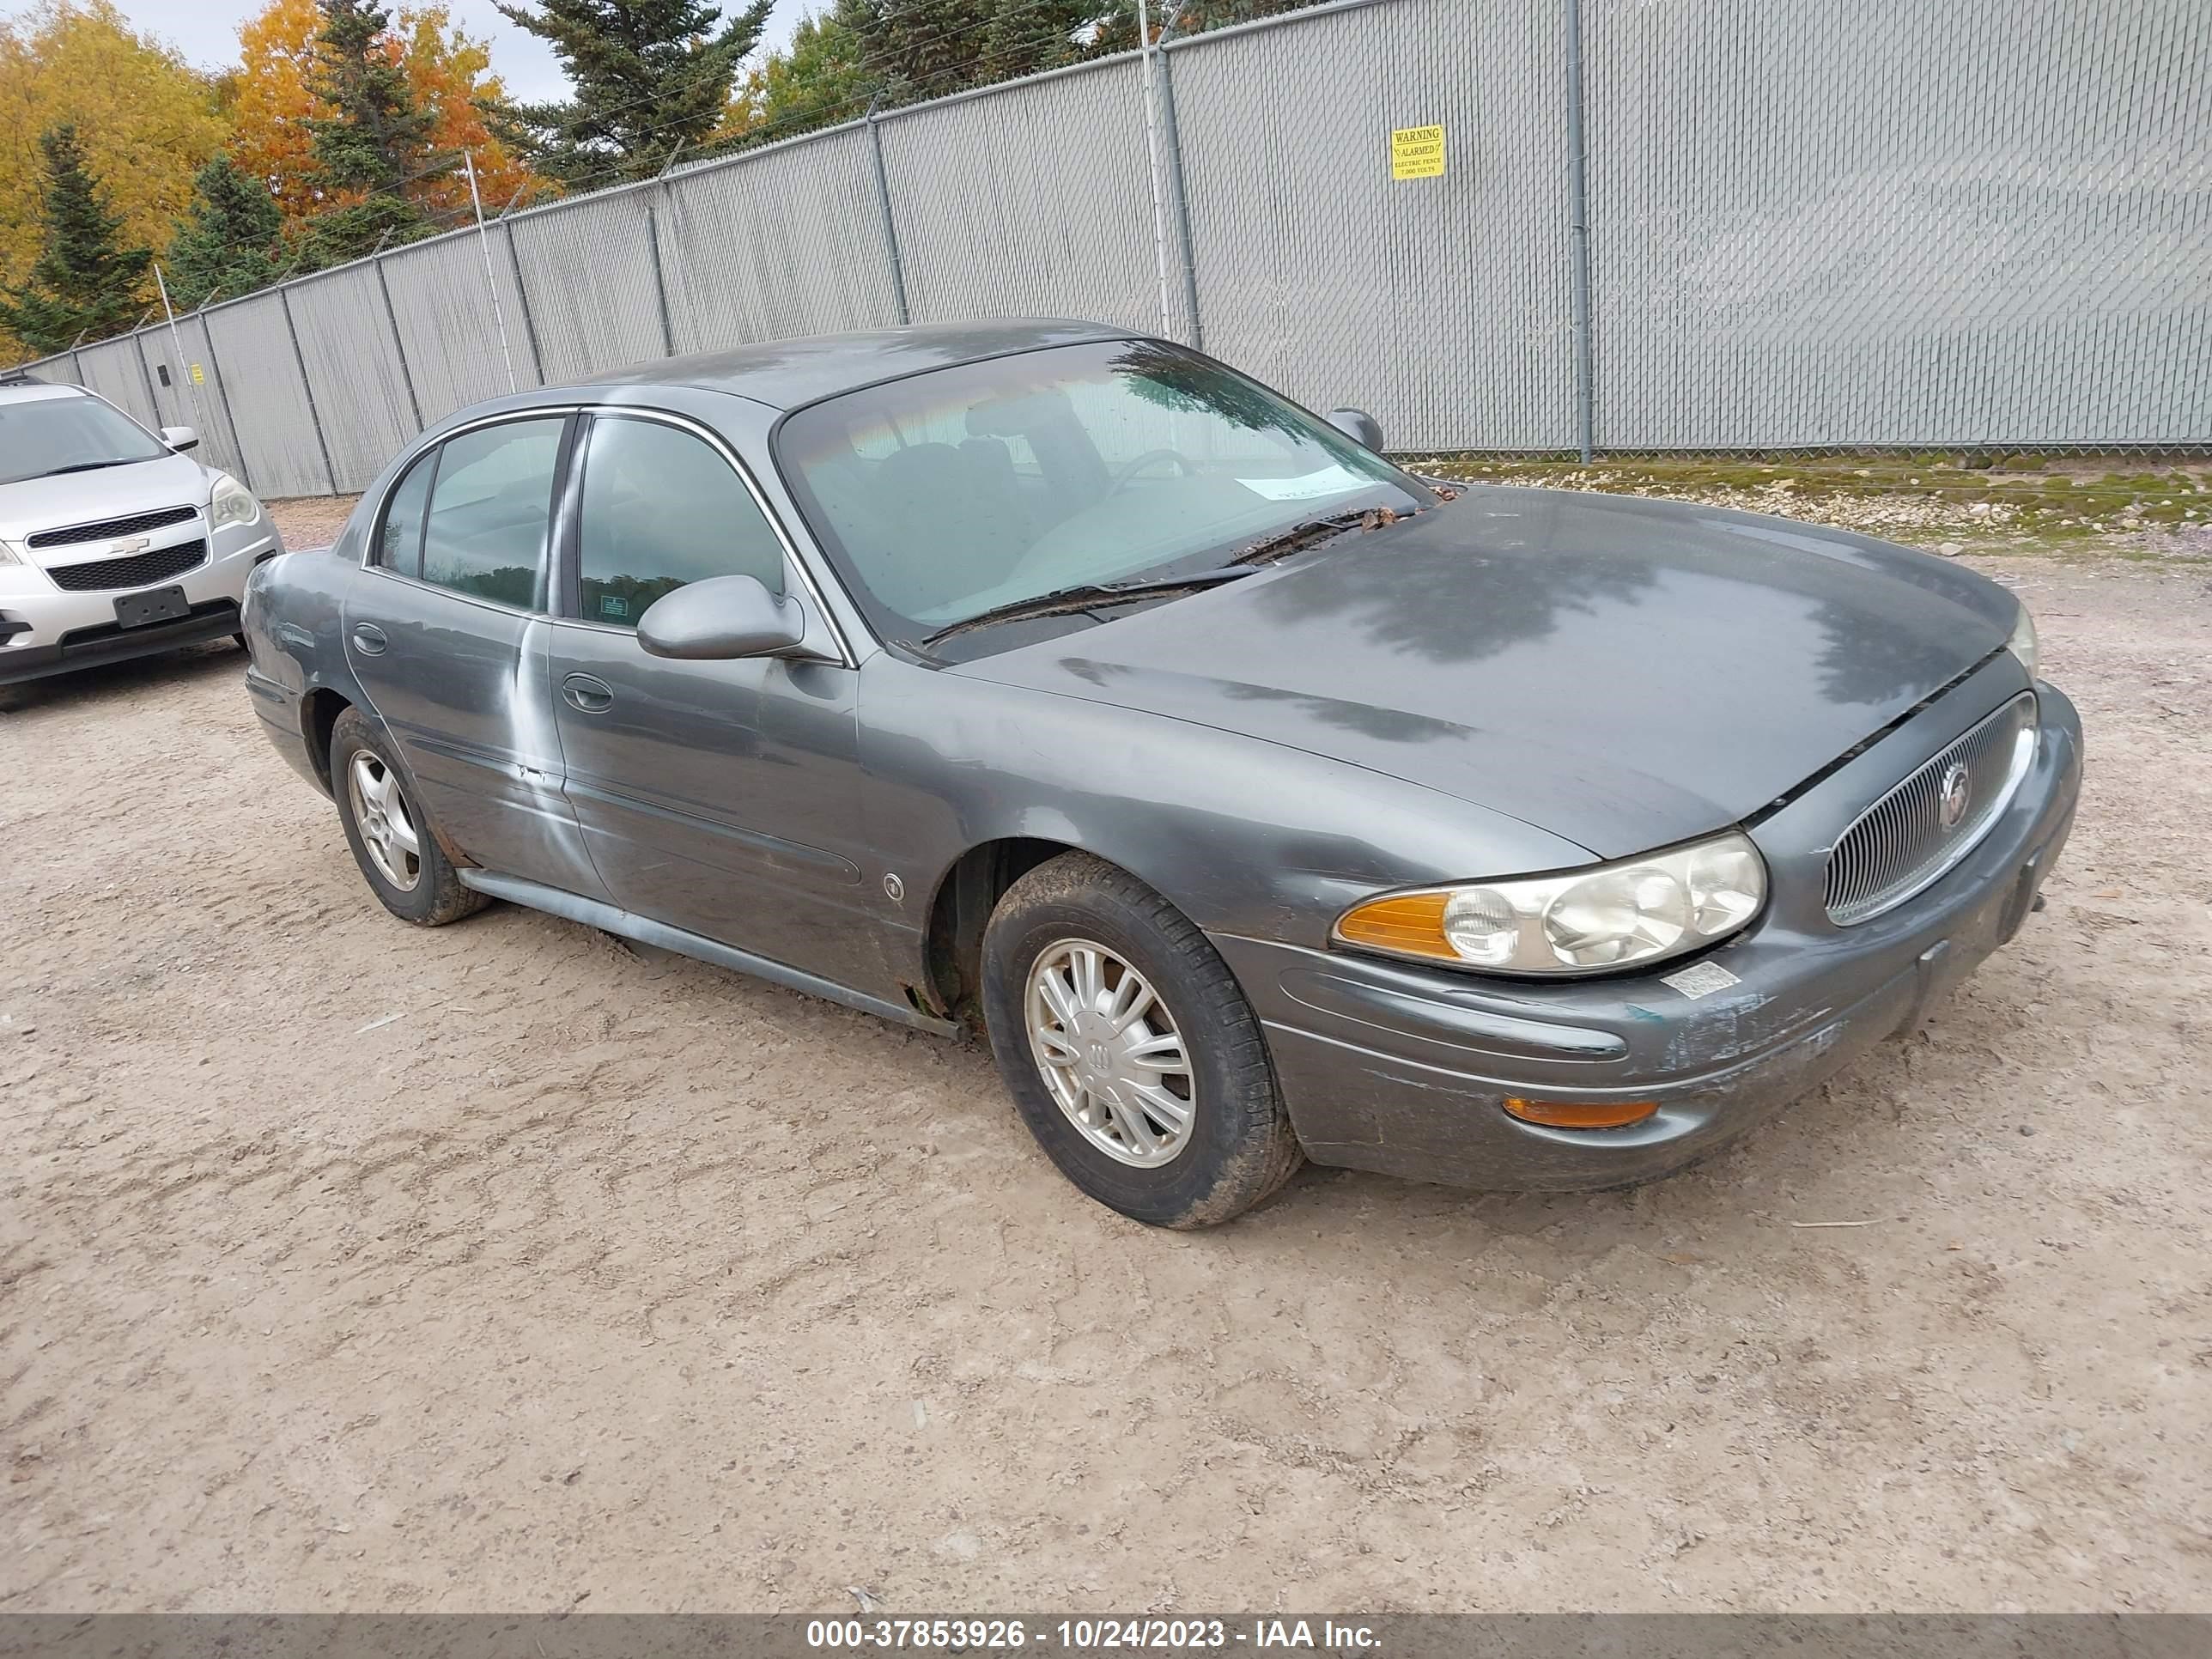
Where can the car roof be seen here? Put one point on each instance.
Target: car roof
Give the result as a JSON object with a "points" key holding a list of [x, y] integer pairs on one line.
{"points": [[785, 373], [24, 392]]}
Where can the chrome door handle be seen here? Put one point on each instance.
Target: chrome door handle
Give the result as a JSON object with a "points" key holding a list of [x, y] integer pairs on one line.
{"points": [[587, 696], [369, 637]]}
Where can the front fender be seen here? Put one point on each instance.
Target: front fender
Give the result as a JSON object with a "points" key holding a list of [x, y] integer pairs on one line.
{"points": [[1244, 837]]}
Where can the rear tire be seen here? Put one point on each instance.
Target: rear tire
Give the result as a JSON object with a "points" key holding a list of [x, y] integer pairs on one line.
{"points": [[1129, 1049], [392, 840]]}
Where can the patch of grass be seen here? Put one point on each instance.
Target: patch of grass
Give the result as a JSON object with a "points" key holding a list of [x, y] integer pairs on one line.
{"points": [[1980, 502]]}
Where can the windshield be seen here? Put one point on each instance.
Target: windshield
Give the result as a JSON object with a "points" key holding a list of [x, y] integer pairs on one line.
{"points": [[39, 436], [955, 492]]}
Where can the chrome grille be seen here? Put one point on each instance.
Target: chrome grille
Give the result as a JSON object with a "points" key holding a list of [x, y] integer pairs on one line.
{"points": [[1901, 844], [108, 529], [139, 570]]}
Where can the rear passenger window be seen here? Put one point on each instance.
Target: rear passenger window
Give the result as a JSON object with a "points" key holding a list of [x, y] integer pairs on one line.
{"points": [[662, 508], [485, 533], [400, 545]]}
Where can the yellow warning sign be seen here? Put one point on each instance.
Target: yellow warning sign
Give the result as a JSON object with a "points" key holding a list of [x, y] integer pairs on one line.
{"points": [[1416, 153], [198, 379]]}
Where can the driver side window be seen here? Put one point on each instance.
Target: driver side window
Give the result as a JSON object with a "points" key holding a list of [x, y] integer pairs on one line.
{"points": [[660, 508]]}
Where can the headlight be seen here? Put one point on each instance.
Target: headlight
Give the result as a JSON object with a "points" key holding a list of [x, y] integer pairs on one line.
{"points": [[1584, 922], [233, 503], [2022, 643]]}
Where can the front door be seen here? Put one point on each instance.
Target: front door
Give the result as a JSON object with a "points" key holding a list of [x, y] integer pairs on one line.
{"points": [[717, 797], [449, 642]]}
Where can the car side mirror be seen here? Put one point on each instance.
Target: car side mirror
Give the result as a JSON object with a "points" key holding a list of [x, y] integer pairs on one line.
{"points": [[1360, 426], [180, 437], [722, 619]]}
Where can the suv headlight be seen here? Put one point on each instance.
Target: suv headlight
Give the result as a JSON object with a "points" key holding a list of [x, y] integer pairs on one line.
{"points": [[2022, 643], [1582, 921], [232, 502]]}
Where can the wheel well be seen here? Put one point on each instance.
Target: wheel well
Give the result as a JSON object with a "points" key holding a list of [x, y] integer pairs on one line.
{"points": [[961, 908], [320, 713]]}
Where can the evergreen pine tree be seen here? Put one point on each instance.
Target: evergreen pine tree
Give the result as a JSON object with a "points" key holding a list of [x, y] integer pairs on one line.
{"points": [[374, 143], [917, 49], [81, 284], [652, 77], [227, 244]]}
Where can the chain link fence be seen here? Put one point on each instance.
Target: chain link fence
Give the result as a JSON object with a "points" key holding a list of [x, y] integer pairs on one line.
{"points": [[1980, 225]]}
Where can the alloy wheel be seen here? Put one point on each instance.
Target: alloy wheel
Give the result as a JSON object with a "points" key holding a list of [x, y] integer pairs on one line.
{"points": [[387, 827]]}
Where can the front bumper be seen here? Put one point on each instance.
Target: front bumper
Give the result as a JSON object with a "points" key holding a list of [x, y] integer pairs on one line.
{"points": [[50, 630], [1404, 1070]]}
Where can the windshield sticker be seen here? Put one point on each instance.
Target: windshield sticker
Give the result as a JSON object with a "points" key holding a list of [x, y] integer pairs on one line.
{"points": [[1331, 480], [1700, 980]]}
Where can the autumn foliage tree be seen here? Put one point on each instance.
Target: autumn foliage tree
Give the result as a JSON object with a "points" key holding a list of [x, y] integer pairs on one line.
{"points": [[447, 74], [373, 143], [144, 119]]}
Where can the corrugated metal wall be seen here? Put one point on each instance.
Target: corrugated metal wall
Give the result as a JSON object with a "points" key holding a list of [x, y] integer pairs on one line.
{"points": [[1893, 222]]}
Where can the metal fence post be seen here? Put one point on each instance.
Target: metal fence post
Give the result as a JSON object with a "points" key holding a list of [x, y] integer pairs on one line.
{"points": [[223, 395], [1578, 189], [659, 282], [308, 387], [522, 301], [890, 226], [138, 346], [406, 374], [1177, 198]]}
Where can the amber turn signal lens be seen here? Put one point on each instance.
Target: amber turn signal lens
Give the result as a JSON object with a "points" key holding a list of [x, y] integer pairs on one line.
{"points": [[1581, 1113], [1412, 924]]}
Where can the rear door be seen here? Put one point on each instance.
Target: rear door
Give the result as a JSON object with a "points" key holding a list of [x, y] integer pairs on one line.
{"points": [[718, 797], [446, 632]]}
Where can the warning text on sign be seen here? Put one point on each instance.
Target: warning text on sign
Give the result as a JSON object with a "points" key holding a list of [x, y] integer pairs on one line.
{"points": [[1416, 153]]}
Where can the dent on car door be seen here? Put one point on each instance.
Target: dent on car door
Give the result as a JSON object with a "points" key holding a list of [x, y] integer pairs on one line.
{"points": [[445, 634], [717, 797]]}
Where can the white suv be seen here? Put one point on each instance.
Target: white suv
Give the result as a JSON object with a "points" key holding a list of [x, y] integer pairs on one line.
{"points": [[112, 544]]}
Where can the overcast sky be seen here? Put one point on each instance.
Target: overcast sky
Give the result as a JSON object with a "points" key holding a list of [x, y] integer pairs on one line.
{"points": [[206, 31]]}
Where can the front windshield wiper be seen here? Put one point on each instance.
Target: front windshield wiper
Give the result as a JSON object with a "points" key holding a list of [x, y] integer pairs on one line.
{"points": [[79, 466], [1088, 596], [1307, 532]]}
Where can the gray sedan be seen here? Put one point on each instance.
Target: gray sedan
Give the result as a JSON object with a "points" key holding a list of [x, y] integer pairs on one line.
{"points": [[1257, 800]]}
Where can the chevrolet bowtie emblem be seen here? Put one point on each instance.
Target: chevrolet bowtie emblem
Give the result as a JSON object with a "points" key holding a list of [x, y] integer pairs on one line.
{"points": [[134, 544]]}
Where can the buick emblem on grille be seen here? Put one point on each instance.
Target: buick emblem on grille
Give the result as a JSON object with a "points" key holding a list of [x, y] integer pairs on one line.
{"points": [[130, 544], [1956, 792]]}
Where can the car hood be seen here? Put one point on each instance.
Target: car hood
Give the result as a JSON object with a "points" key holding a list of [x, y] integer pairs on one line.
{"points": [[1622, 672], [112, 492]]}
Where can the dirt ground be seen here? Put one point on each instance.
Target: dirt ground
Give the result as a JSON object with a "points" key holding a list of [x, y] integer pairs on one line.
{"points": [[347, 1266]]}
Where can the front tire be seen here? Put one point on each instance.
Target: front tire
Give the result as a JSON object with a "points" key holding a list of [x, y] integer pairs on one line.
{"points": [[392, 840], [1130, 1051]]}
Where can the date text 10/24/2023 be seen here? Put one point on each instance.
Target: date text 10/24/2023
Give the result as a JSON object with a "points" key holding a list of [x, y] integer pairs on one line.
{"points": [[1088, 1634]]}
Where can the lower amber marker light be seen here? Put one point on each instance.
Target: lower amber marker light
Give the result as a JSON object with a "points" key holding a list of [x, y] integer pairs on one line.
{"points": [[1581, 1113]]}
